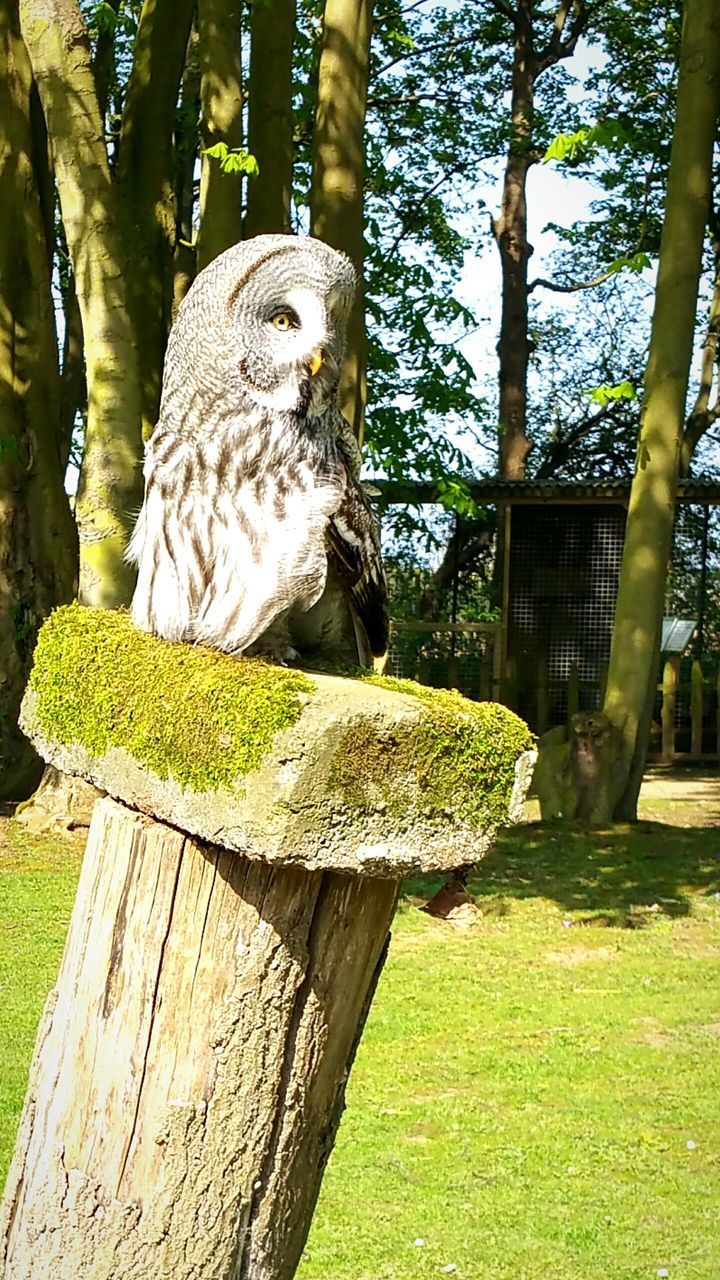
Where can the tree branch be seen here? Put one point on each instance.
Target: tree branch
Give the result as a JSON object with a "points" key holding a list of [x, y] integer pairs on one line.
{"points": [[557, 49], [104, 61], [539, 283], [561, 446], [506, 9], [423, 49], [408, 224]]}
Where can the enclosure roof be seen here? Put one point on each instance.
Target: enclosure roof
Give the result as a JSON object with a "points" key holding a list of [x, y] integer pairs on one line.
{"points": [[699, 489], [676, 634]]}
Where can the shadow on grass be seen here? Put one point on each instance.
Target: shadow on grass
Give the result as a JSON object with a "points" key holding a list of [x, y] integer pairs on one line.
{"points": [[618, 875]]}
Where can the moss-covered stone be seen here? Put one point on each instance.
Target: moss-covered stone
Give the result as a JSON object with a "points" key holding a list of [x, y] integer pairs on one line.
{"points": [[366, 775], [461, 757], [185, 712]]}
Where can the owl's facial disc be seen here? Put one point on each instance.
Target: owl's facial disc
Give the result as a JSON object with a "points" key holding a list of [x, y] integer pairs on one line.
{"points": [[303, 340]]}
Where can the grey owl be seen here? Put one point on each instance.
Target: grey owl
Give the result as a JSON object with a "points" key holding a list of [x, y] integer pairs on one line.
{"points": [[254, 533]]}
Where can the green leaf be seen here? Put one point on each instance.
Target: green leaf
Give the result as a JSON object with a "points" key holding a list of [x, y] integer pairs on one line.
{"points": [[636, 263], [104, 18], [218, 151], [603, 394], [233, 159], [454, 495], [606, 134]]}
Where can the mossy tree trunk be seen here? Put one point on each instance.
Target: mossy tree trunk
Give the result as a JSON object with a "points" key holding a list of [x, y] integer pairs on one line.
{"points": [[221, 104], [638, 613], [145, 185], [633, 670], [270, 116], [38, 543], [111, 481], [338, 173]]}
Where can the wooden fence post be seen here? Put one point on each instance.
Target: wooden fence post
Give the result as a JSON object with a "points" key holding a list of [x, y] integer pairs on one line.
{"points": [[486, 669], [671, 674], [189, 1073], [696, 709]]}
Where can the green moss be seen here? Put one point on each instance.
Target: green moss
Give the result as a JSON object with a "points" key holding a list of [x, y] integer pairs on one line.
{"points": [[462, 755], [207, 719], [193, 714]]}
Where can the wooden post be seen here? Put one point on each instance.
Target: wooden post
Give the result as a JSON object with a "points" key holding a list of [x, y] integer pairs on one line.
{"points": [[696, 708], [192, 1060], [190, 1069], [671, 673], [486, 664]]}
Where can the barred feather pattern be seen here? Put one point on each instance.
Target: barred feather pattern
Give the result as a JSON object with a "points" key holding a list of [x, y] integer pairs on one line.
{"points": [[251, 489]]}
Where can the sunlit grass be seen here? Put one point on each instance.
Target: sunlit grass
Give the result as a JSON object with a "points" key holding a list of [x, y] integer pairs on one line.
{"points": [[37, 886], [534, 1098], [537, 1098]]}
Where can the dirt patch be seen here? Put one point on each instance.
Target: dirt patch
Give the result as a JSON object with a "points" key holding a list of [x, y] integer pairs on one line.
{"points": [[687, 785], [571, 957], [654, 1033]]}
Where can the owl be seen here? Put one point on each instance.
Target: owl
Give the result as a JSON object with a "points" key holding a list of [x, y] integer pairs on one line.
{"points": [[254, 535]]}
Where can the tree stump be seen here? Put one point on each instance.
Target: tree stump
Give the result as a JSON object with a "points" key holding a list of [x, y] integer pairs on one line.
{"points": [[190, 1068]]}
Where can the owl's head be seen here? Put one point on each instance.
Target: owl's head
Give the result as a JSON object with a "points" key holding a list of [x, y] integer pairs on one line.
{"points": [[266, 320]]}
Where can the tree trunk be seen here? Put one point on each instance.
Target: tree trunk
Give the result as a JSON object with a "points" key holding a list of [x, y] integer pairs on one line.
{"points": [[221, 103], [270, 119], [145, 185], [73, 392], [510, 230], [611, 787], [38, 542], [207, 1012], [639, 609], [111, 480], [336, 198], [186, 148], [703, 416]]}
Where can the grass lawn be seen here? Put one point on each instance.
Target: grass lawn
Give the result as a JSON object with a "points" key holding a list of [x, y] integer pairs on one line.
{"points": [[535, 1097]]}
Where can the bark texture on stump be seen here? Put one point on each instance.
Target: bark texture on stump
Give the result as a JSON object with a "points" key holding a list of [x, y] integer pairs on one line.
{"points": [[190, 1069]]}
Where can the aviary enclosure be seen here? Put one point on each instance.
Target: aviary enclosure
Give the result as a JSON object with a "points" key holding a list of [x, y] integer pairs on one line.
{"points": [[546, 655]]}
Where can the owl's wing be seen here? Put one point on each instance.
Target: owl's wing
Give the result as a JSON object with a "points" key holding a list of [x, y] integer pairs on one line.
{"points": [[354, 547]]}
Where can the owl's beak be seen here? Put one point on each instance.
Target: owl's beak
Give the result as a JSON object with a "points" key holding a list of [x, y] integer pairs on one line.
{"points": [[316, 361]]}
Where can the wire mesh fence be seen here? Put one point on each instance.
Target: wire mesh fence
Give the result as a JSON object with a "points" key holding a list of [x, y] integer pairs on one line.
{"points": [[448, 655]]}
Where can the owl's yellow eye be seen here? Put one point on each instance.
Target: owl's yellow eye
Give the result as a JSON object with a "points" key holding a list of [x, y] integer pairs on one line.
{"points": [[284, 320]]}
